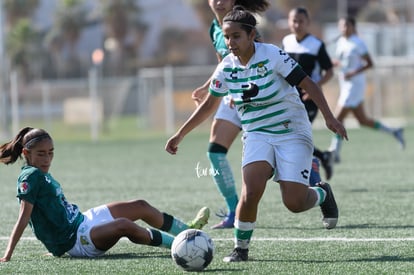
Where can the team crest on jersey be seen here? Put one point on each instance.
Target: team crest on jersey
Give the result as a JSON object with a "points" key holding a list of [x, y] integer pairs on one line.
{"points": [[23, 187], [84, 240], [261, 69], [217, 84]]}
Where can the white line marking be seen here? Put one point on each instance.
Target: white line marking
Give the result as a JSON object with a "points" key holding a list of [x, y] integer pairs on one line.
{"points": [[328, 239]]}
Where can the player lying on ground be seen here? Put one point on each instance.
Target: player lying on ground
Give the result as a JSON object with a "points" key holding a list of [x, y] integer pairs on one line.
{"points": [[60, 225]]}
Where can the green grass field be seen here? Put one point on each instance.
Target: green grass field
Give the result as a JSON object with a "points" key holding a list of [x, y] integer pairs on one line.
{"points": [[373, 185]]}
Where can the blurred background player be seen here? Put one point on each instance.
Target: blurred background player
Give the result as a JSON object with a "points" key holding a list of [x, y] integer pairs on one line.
{"points": [[60, 225], [353, 60], [226, 125], [310, 53]]}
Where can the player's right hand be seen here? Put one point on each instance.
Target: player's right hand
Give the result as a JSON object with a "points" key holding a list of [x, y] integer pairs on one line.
{"points": [[172, 144]]}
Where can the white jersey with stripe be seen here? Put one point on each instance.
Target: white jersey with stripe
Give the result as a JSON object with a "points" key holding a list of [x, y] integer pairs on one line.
{"points": [[309, 52], [263, 91]]}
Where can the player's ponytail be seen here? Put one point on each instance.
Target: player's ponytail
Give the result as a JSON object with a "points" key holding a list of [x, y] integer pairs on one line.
{"points": [[26, 138]]}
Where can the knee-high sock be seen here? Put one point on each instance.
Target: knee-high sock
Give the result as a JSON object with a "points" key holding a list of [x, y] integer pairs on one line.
{"points": [[173, 225], [336, 144], [224, 178]]}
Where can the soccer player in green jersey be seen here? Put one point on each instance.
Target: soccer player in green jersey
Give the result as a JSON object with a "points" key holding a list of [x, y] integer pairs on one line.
{"points": [[277, 134], [61, 226]]}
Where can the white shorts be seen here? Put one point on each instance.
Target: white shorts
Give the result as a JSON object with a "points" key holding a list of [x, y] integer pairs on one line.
{"points": [[225, 112], [290, 155], [352, 92], [84, 246]]}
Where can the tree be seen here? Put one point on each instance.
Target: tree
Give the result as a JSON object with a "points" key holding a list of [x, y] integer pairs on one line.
{"points": [[121, 19], [17, 9], [70, 19]]}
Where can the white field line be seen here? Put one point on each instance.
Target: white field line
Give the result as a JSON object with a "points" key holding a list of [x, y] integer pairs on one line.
{"points": [[329, 239]]}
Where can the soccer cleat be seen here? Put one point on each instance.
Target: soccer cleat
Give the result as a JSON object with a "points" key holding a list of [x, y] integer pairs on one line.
{"points": [[238, 255], [398, 134], [201, 219], [327, 162], [227, 222], [328, 207]]}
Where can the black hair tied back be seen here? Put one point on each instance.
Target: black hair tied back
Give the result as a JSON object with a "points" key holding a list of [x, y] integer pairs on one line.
{"points": [[240, 15]]}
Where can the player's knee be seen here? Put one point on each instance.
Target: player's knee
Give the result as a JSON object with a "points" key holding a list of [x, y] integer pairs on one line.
{"points": [[141, 204]]}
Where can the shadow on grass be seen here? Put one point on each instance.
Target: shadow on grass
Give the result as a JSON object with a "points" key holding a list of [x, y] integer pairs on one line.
{"points": [[220, 270], [123, 256]]}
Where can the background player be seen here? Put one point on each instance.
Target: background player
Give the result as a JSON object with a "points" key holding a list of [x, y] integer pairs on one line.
{"points": [[353, 61], [310, 53]]}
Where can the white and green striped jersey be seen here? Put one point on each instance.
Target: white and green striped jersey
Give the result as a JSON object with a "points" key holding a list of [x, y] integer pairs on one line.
{"points": [[263, 91]]}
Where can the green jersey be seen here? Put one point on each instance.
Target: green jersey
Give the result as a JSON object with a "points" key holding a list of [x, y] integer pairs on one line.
{"points": [[54, 220], [217, 38]]}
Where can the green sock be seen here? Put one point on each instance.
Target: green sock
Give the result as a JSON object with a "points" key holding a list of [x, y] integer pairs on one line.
{"points": [[243, 232], [172, 225], [224, 177], [159, 238]]}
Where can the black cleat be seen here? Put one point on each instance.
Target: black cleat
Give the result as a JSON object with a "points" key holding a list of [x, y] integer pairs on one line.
{"points": [[238, 255], [328, 207]]}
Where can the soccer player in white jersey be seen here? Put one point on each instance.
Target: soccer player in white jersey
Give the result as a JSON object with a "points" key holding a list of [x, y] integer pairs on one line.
{"points": [[226, 124], [310, 52], [277, 138], [353, 61]]}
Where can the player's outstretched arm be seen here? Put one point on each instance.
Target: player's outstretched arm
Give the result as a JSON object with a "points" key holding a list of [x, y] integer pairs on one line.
{"points": [[317, 96], [203, 111], [24, 217]]}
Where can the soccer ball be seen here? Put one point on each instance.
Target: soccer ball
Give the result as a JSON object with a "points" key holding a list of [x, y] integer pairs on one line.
{"points": [[192, 250]]}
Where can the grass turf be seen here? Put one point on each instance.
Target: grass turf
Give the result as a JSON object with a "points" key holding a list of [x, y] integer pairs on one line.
{"points": [[373, 186]]}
